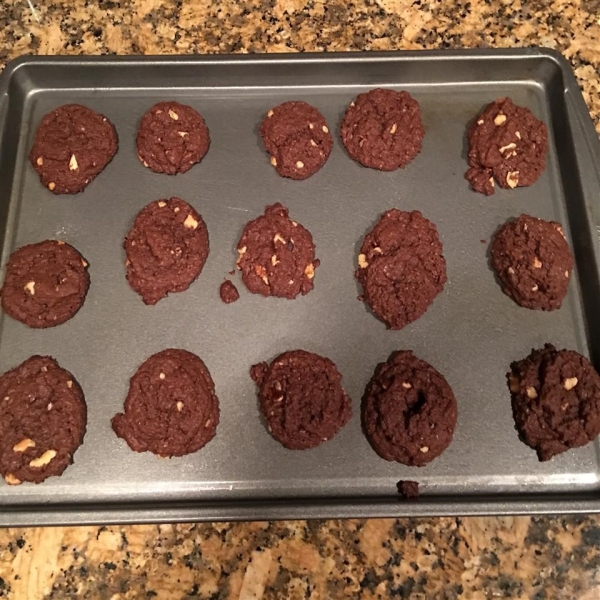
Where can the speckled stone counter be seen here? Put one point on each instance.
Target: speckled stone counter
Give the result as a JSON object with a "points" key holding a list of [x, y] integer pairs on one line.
{"points": [[473, 558]]}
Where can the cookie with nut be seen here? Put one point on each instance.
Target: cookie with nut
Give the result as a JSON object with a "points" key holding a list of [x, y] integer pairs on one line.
{"points": [[72, 146]]}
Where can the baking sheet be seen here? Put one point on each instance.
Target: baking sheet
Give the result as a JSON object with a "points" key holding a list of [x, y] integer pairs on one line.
{"points": [[471, 333]]}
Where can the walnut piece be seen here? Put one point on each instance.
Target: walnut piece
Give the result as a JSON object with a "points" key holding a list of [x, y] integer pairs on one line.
{"points": [[512, 179], [507, 147], [513, 383], [190, 222], [43, 460], [23, 445]]}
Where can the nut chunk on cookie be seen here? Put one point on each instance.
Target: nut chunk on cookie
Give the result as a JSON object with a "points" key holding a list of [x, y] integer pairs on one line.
{"points": [[555, 400], [296, 136], [409, 410], [72, 145], [172, 138], [171, 408], [166, 249], [533, 261], [45, 284], [43, 418], [302, 399], [507, 145], [382, 129], [277, 255], [401, 267]]}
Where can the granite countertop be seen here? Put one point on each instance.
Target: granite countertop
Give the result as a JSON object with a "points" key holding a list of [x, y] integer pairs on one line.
{"points": [[473, 558]]}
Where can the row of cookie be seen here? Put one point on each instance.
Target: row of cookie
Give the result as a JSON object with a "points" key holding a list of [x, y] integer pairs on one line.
{"points": [[382, 129], [409, 410], [401, 266]]}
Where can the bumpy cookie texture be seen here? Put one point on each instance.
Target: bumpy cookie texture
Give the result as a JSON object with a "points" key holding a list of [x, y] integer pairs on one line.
{"points": [[533, 261], [228, 292], [382, 129], [409, 410], [401, 267], [171, 408], [45, 284], [555, 400], [277, 255], [72, 145], [506, 144], [408, 489], [42, 420], [166, 249], [302, 399], [172, 138], [297, 138]]}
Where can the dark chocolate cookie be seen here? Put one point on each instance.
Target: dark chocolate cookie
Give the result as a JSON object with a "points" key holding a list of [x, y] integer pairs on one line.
{"points": [[508, 144], [408, 489], [172, 138], [72, 146], [228, 292], [42, 420], [533, 261], [166, 249], [171, 408], [277, 255], [297, 138], [555, 400], [409, 410], [45, 284], [302, 399], [401, 267], [382, 129]]}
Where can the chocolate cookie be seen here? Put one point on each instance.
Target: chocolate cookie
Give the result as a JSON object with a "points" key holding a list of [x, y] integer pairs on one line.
{"points": [[166, 249], [508, 144], [277, 255], [172, 138], [72, 145], [302, 399], [408, 489], [409, 410], [228, 292], [45, 284], [42, 420], [171, 408], [555, 400], [382, 129], [533, 261], [297, 138], [401, 267]]}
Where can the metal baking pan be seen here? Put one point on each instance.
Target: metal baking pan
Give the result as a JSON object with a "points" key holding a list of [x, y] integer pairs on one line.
{"points": [[471, 333]]}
